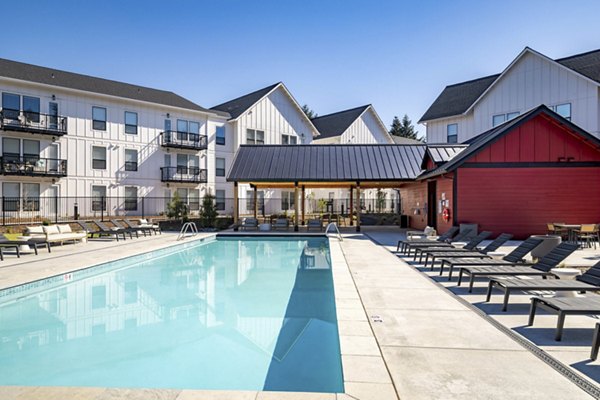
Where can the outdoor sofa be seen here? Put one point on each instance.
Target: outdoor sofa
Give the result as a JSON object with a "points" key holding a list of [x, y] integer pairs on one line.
{"points": [[281, 223], [249, 223], [54, 233], [316, 223]]}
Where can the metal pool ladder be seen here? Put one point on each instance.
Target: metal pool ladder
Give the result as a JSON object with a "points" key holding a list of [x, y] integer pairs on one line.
{"points": [[191, 226], [335, 227]]}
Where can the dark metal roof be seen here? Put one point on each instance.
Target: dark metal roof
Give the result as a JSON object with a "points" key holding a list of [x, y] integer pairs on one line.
{"points": [[326, 163], [335, 124], [238, 106], [70, 80], [488, 137], [444, 152], [456, 99]]}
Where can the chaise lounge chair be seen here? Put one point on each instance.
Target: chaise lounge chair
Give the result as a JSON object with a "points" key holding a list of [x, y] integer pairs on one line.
{"points": [[144, 223], [590, 280], [541, 268], [470, 246], [142, 228], [464, 235], [563, 306], [128, 229], [281, 223], [106, 228], [100, 232], [249, 223], [404, 244], [6, 243], [465, 253]]}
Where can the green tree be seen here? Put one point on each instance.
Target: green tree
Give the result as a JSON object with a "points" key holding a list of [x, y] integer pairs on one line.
{"points": [[309, 112], [403, 128], [176, 208], [209, 211]]}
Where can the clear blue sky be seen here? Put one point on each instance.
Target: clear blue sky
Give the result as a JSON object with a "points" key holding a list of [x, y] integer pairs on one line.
{"points": [[332, 55]]}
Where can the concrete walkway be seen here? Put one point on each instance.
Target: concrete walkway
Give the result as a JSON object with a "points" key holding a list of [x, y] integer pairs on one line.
{"points": [[434, 346]]}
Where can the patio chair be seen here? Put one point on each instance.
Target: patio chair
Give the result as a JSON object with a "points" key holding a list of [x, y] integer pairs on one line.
{"points": [[249, 223], [6, 243], [588, 234], [128, 229], [541, 268], [553, 229], [470, 246], [106, 228], [403, 244], [99, 232], [282, 223], [314, 224], [144, 223], [590, 280], [462, 236], [147, 228], [563, 306], [466, 253]]}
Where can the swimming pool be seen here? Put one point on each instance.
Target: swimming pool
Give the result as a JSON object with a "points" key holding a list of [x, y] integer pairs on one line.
{"points": [[236, 313]]}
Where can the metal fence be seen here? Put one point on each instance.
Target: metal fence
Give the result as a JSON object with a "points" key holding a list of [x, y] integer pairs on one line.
{"points": [[25, 210]]}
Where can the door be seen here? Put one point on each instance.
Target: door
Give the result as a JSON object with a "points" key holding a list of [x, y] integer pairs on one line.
{"points": [[53, 116], [167, 133], [53, 161], [52, 202], [431, 204]]}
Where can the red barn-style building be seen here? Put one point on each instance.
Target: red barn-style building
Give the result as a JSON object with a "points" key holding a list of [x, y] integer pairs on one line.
{"points": [[515, 178]]}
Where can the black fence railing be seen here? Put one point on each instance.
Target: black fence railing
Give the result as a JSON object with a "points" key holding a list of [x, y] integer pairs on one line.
{"points": [[32, 166], [33, 122], [183, 140], [183, 174]]}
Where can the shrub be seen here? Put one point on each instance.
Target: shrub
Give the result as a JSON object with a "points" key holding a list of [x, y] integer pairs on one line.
{"points": [[209, 213], [177, 209]]}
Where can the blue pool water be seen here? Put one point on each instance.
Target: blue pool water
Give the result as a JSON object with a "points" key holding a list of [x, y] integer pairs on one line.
{"points": [[232, 313]]}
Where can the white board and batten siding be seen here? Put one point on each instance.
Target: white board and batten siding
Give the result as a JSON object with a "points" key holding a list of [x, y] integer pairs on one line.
{"points": [[366, 130]]}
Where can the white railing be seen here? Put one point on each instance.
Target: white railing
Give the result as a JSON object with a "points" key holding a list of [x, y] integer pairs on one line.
{"points": [[336, 230], [191, 226]]}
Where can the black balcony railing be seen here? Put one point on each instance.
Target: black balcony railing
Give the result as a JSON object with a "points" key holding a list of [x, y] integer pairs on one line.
{"points": [[32, 166], [183, 140], [33, 122], [183, 174]]}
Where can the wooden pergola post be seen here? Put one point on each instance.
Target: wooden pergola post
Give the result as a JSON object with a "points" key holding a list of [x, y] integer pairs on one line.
{"points": [[296, 211], [303, 201], [357, 206], [255, 194], [351, 208], [236, 206]]}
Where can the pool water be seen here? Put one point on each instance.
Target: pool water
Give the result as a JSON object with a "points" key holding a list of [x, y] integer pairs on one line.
{"points": [[232, 313]]}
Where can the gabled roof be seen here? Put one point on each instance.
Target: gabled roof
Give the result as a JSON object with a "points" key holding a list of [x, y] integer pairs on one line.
{"points": [[336, 124], [326, 163], [486, 138], [240, 105], [54, 77], [444, 152], [458, 98]]}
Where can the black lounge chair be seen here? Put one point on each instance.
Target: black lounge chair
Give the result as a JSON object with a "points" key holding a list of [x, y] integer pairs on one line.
{"points": [[590, 280], [514, 257], [282, 223], [403, 244], [6, 243], [249, 223], [470, 246], [431, 244], [563, 306], [100, 232], [144, 229], [106, 228], [128, 229], [541, 268], [465, 253]]}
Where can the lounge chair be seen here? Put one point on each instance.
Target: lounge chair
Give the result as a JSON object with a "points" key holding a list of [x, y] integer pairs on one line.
{"points": [[563, 306], [470, 246], [6, 243], [514, 257], [249, 223], [541, 268], [128, 229], [465, 253], [403, 244], [100, 232], [106, 228], [590, 280], [282, 223], [144, 223], [141, 228], [462, 236], [314, 224]]}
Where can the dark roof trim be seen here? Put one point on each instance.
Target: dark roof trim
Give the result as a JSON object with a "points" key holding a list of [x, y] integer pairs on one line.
{"points": [[240, 105], [335, 124]]}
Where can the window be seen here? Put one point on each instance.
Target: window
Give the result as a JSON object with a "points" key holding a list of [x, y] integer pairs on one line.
{"points": [[498, 119], [220, 162], [183, 194], [194, 128], [564, 110], [289, 139], [194, 199], [131, 160], [31, 196], [98, 198], [11, 104], [131, 198], [11, 149], [11, 191], [131, 122], [31, 108], [98, 297], [512, 115], [98, 157], [99, 118], [255, 137], [287, 201], [182, 129], [260, 196], [452, 133], [220, 135], [31, 150], [220, 200]]}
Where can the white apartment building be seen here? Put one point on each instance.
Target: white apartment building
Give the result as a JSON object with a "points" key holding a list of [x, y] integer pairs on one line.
{"points": [[570, 86], [74, 136]]}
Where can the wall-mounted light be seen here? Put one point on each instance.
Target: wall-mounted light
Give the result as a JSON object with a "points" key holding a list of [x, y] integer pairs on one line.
{"points": [[53, 97], [168, 115]]}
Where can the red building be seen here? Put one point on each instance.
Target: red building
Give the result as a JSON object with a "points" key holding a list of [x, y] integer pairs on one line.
{"points": [[515, 178]]}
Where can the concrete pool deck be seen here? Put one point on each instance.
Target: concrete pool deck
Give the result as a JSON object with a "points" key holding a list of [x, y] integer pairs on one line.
{"points": [[401, 334]]}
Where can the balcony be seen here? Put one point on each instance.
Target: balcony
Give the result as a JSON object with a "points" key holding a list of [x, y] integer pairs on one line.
{"points": [[183, 175], [183, 140], [32, 122], [32, 166]]}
